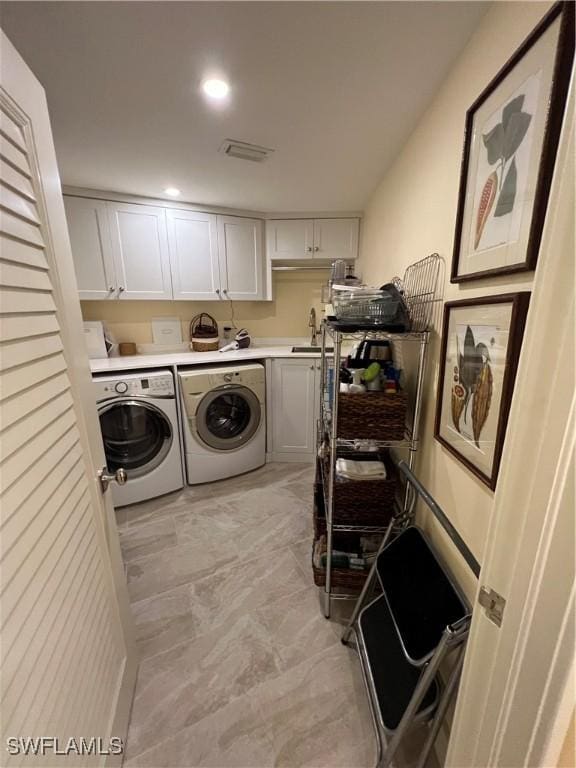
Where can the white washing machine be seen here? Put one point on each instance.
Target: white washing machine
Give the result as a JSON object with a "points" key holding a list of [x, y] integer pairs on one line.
{"points": [[224, 415], [139, 423]]}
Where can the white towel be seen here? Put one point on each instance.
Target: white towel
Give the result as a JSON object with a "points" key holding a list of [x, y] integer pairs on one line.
{"points": [[360, 470]]}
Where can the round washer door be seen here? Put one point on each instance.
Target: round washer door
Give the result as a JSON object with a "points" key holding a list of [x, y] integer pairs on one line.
{"points": [[136, 434], [228, 418]]}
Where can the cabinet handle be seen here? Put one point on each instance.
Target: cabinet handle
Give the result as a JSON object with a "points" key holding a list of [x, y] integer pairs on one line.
{"points": [[309, 249], [225, 292], [120, 289], [110, 289], [311, 367], [218, 291], [316, 247]]}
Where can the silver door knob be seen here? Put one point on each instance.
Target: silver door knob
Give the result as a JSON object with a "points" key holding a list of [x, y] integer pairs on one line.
{"points": [[105, 477]]}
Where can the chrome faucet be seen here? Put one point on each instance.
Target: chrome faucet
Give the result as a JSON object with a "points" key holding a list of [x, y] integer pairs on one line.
{"points": [[312, 324]]}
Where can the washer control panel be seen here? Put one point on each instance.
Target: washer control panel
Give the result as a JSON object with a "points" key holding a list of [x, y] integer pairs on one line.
{"points": [[153, 384]]}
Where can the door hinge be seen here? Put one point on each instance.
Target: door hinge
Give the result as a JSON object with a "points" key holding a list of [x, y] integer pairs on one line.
{"points": [[493, 603]]}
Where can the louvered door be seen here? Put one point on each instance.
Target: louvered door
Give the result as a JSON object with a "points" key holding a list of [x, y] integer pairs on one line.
{"points": [[65, 667]]}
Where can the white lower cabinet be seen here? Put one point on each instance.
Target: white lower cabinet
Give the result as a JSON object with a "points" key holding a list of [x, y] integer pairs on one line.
{"points": [[293, 408]]}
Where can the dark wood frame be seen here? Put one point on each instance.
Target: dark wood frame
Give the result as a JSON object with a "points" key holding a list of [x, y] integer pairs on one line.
{"points": [[520, 302], [557, 104]]}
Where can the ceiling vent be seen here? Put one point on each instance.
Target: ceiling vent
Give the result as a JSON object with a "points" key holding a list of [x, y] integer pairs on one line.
{"points": [[244, 151]]}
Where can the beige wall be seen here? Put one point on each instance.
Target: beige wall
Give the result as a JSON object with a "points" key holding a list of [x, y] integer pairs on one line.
{"points": [[412, 213], [294, 294], [568, 754]]}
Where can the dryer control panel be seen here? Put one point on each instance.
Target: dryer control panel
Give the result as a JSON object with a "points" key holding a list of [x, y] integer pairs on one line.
{"points": [[153, 384]]}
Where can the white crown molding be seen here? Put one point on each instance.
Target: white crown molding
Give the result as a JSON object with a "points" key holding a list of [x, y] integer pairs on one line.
{"points": [[121, 197]]}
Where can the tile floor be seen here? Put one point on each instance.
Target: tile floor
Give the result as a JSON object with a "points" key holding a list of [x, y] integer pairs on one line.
{"points": [[238, 666]]}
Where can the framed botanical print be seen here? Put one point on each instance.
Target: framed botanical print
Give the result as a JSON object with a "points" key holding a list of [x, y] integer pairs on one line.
{"points": [[511, 138], [481, 341]]}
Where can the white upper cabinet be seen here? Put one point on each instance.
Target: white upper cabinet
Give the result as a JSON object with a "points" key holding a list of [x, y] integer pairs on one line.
{"points": [[336, 238], [91, 247], [242, 273], [297, 239], [140, 250], [288, 239], [193, 242]]}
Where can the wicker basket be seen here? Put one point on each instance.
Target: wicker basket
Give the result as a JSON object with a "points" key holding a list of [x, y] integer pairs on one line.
{"points": [[204, 333], [372, 415], [363, 502], [342, 578]]}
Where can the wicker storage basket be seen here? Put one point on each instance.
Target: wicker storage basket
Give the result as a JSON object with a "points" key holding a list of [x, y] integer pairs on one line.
{"points": [[342, 578], [363, 502], [203, 333], [372, 415]]}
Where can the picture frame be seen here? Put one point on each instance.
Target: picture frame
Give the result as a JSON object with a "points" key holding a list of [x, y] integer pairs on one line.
{"points": [[511, 139], [481, 342]]}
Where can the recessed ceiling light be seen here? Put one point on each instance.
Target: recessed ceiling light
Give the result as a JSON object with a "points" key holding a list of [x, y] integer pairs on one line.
{"points": [[172, 191], [215, 89]]}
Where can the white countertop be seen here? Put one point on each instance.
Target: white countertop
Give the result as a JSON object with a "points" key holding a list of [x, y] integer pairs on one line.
{"points": [[131, 362]]}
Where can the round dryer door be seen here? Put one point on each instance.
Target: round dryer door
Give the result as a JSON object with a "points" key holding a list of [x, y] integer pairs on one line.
{"points": [[228, 418], [137, 436]]}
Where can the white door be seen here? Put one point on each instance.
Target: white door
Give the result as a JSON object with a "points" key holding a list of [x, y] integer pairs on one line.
{"points": [[91, 247], [294, 396], [242, 274], [336, 239], [288, 239], [193, 242], [517, 691], [140, 248], [68, 666]]}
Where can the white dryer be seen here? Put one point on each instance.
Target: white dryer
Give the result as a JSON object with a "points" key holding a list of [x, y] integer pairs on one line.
{"points": [[224, 413], [139, 424]]}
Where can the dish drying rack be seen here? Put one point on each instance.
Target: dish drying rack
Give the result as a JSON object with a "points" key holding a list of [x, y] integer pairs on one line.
{"points": [[419, 287]]}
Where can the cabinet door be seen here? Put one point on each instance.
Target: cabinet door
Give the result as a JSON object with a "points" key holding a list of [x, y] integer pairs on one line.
{"points": [[91, 249], [293, 405], [193, 243], [241, 258], [290, 239], [336, 238], [140, 249]]}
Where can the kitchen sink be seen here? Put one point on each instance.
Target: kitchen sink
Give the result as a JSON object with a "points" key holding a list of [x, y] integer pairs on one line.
{"points": [[312, 350]]}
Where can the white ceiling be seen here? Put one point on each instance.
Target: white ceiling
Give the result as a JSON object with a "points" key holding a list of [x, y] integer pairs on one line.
{"points": [[334, 88]]}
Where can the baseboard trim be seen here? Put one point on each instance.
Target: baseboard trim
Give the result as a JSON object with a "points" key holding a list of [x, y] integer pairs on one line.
{"points": [[121, 717], [295, 458]]}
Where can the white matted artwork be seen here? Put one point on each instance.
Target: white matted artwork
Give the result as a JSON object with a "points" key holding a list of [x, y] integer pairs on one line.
{"points": [[480, 347], [511, 138]]}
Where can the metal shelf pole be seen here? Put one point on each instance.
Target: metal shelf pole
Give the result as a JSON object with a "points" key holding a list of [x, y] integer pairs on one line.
{"points": [[332, 470], [414, 444], [319, 425]]}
